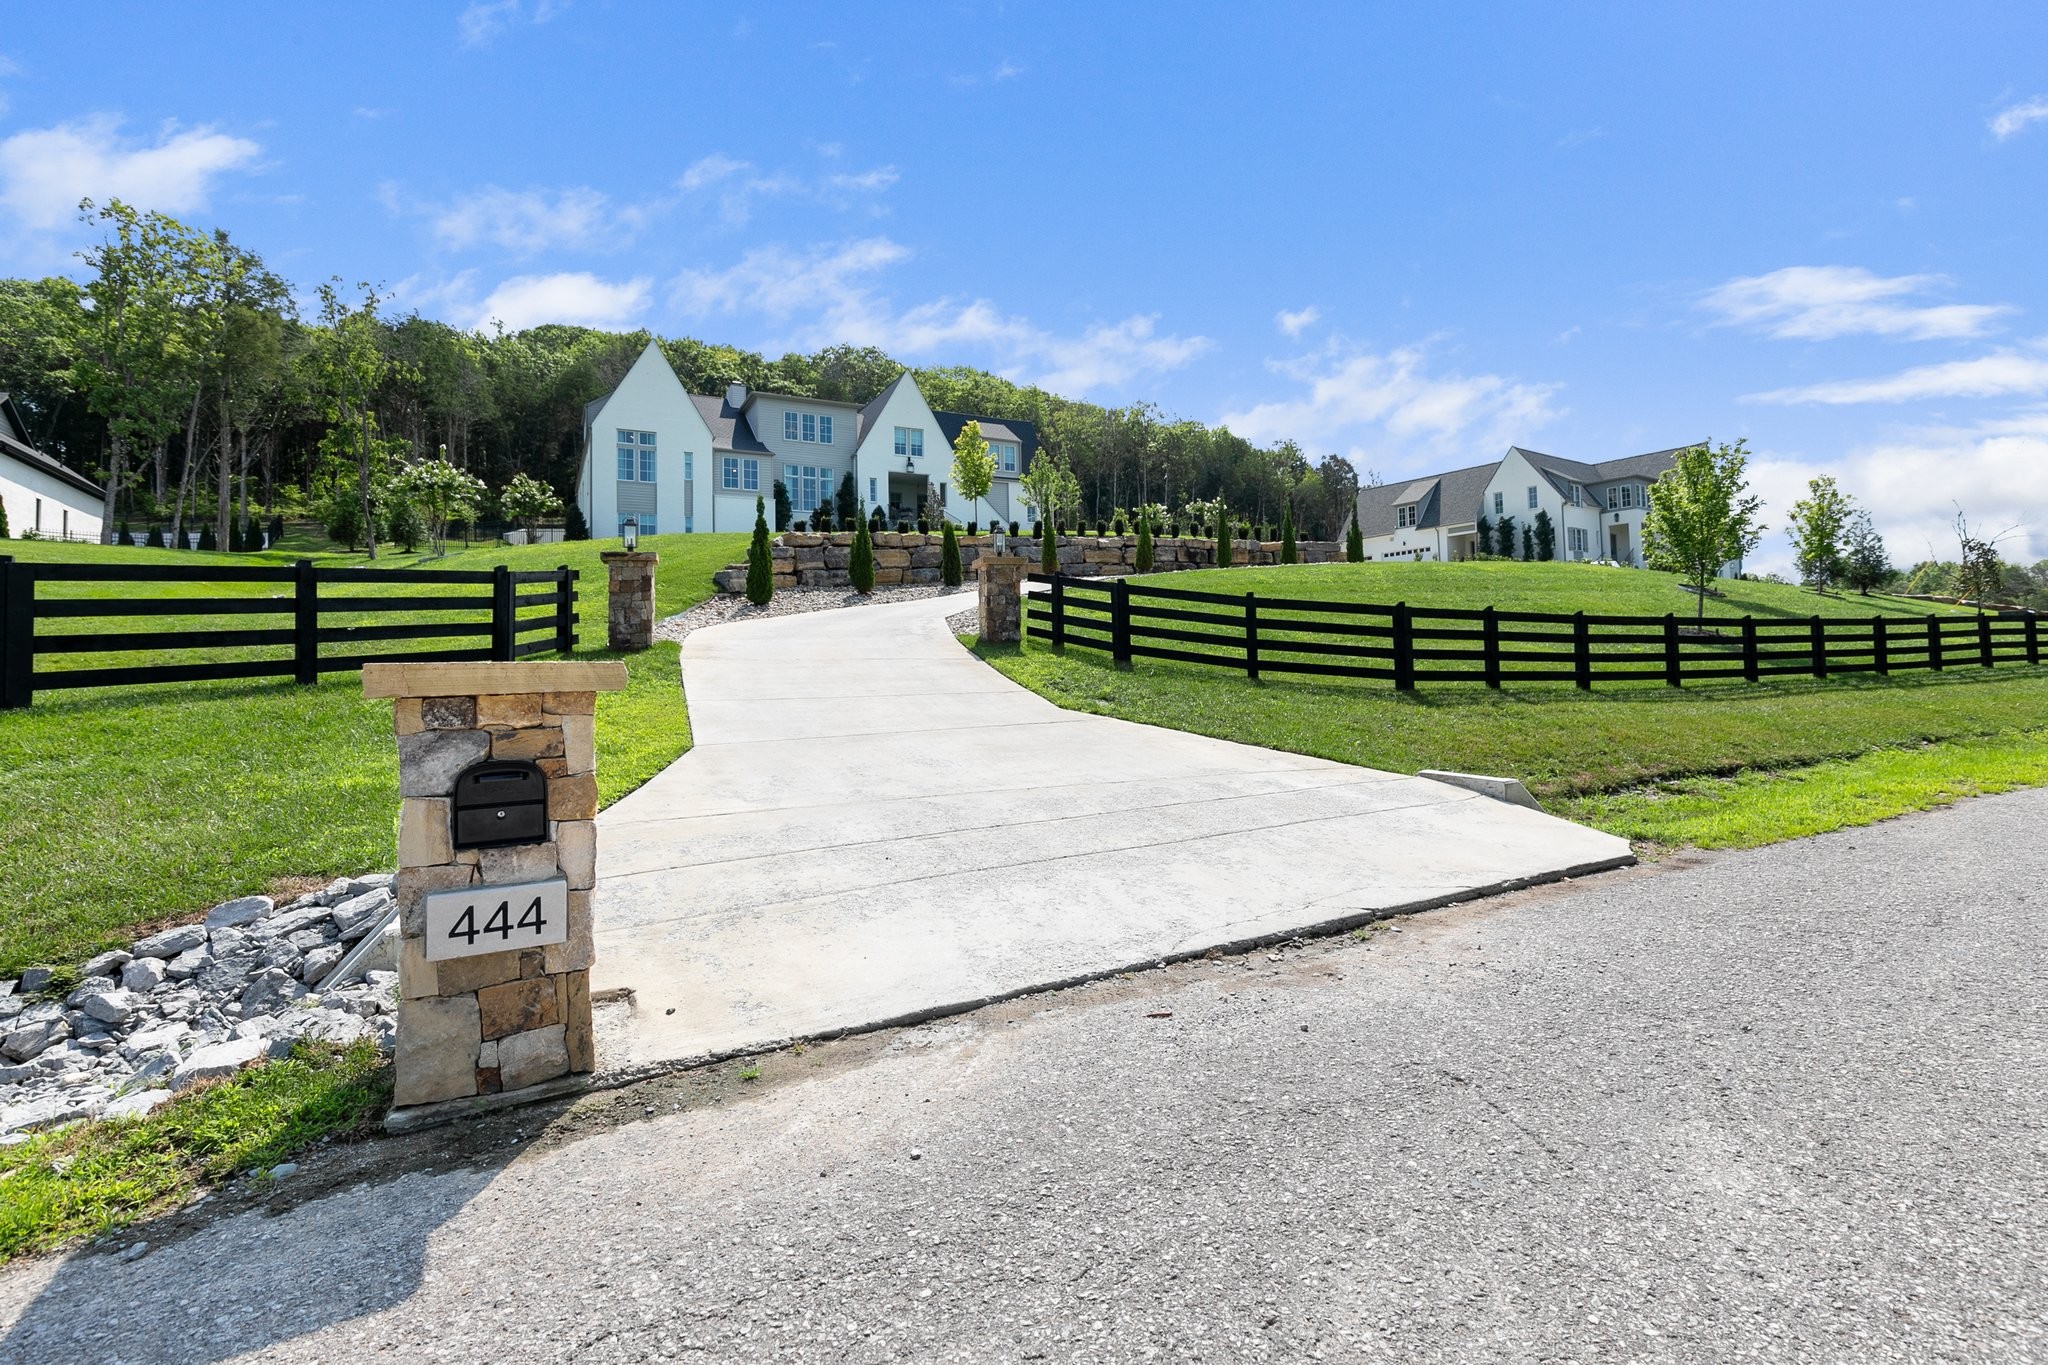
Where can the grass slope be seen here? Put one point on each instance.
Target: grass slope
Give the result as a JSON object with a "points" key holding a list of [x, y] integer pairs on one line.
{"points": [[129, 806], [1607, 756]]}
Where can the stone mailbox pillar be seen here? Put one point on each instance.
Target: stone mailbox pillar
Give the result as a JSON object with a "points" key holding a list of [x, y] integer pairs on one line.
{"points": [[1001, 596], [495, 946], [632, 597]]}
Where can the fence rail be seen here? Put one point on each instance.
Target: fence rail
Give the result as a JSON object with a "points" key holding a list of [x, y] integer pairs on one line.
{"points": [[322, 630], [1407, 645]]}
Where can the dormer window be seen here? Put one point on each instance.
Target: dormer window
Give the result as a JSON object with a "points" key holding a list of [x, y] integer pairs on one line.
{"points": [[1613, 498], [1628, 495], [1404, 516], [1578, 495]]}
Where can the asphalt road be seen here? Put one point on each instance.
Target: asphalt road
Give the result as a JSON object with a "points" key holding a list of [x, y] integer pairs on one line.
{"points": [[1787, 1105]]}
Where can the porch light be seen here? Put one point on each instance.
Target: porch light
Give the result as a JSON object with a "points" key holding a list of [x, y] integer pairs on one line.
{"points": [[630, 534]]}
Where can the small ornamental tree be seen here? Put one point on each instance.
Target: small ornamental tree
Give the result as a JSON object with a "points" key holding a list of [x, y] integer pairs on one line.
{"points": [[1049, 546], [1817, 523], [1528, 543], [1225, 551], [441, 493], [1289, 552], [1485, 529], [949, 558], [1354, 542], [1980, 575], [860, 564], [1144, 553], [974, 469], [1546, 537], [782, 507], [155, 540], [1702, 516], [760, 564], [127, 537], [848, 510], [1865, 564], [1504, 537], [206, 538], [526, 500]]}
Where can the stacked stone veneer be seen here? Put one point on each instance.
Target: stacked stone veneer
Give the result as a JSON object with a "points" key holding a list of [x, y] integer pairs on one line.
{"points": [[1000, 596], [504, 1021], [815, 560], [630, 595]]}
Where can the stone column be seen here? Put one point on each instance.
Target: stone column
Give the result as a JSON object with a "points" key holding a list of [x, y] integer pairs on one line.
{"points": [[632, 597], [1001, 595], [492, 1022]]}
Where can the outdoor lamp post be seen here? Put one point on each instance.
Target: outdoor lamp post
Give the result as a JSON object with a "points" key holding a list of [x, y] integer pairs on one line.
{"points": [[999, 540], [630, 534]]}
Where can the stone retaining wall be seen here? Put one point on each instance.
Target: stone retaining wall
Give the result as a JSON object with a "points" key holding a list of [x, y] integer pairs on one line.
{"points": [[810, 559]]}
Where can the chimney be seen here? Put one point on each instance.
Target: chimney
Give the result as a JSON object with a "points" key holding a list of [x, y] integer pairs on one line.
{"points": [[735, 394]]}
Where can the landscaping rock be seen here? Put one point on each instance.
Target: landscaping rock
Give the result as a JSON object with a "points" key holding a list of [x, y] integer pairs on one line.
{"points": [[188, 964], [217, 1060], [140, 1104], [170, 1037], [171, 942], [290, 921], [143, 975], [235, 913], [319, 963], [272, 987], [429, 760], [32, 1040], [353, 918], [106, 964], [108, 1004], [36, 979]]}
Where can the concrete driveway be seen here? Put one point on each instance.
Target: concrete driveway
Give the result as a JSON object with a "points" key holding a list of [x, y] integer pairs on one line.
{"points": [[874, 827]]}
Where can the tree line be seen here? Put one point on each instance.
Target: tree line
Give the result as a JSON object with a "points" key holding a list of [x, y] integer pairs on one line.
{"points": [[181, 373]]}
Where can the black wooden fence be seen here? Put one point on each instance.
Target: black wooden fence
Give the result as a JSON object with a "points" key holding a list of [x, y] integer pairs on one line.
{"points": [[1405, 645], [501, 623]]}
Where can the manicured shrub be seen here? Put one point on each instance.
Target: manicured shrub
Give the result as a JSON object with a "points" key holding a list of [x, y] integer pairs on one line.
{"points": [[902, 528], [760, 564], [821, 520], [1013, 528], [1037, 529], [155, 540], [860, 567], [236, 541], [1485, 529], [1224, 553], [3, 521], [949, 556], [782, 507], [1101, 527], [277, 528], [207, 540], [1290, 553], [1354, 543], [924, 527], [1528, 543], [971, 527], [1144, 555], [127, 537], [1048, 548], [574, 527]]}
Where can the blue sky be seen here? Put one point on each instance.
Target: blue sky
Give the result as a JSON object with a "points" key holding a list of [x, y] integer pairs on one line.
{"points": [[1409, 234]]}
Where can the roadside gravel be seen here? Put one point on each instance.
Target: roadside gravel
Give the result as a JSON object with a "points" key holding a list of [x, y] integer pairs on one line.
{"points": [[1785, 1104], [788, 602]]}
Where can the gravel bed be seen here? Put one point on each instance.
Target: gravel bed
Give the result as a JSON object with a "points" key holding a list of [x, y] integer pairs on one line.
{"points": [[788, 602]]}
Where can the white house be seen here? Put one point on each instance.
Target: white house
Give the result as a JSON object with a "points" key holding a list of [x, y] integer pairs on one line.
{"points": [[40, 492], [678, 461], [1596, 510]]}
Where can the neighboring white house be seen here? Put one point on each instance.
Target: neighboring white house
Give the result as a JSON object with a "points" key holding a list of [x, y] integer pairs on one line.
{"points": [[679, 461], [40, 492], [1596, 510]]}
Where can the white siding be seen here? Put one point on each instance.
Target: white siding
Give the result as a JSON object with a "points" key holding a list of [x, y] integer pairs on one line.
{"points": [[649, 398], [877, 456], [22, 486]]}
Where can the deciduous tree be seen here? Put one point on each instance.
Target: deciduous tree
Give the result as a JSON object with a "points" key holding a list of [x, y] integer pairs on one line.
{"points": [[1817, 523], [974, 469], [1702, 516]]}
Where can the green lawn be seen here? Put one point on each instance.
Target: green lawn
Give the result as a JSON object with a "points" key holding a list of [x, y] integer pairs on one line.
{"points": [[1609, 756], [129, 806]]}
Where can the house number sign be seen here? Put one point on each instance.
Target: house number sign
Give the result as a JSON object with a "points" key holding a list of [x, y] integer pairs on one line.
{"points": [[496, 919]]}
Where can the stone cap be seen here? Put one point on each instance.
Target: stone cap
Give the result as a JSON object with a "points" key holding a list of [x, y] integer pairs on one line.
{"points": [[628, 556], [492, 679], [1003, 561]]}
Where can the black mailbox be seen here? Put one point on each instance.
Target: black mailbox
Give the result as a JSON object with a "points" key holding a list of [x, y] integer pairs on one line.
{"points": [[501, 802]]}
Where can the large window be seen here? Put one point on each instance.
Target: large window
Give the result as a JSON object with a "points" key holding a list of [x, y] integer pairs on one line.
{"points": [[1005, 456], [1628, 495], [636, 456], [808, 486], [789, 426], [806, 426], [910, 442], [810, 426], [750, 476], [1575, 541], [729, 472], [825, 428]]}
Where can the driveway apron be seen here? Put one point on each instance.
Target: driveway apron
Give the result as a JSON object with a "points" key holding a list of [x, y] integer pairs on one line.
{"points": [[874, 826]]}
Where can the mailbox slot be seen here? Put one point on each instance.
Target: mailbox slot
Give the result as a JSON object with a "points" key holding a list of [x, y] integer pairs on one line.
{"points": [[500, 802]]}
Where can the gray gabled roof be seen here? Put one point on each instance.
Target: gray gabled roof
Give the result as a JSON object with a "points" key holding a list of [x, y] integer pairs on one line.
{"points": [[730, 429], [14, 443], [1442, 500], [1646, 466], [1022, 434]]}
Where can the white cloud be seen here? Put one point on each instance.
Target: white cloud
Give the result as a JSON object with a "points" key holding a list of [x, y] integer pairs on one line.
{"points": [[1999, 374], [2014, 119], [44, 172], [1356, 397], [525, 222], [1296, 322], [574, 297], [740, 185], [1912, 484], [1818, 302], [483, 20], [8, 67], [709, 170], [828, 295]]}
